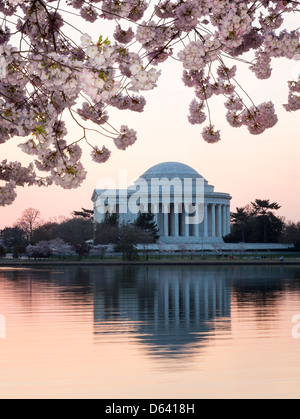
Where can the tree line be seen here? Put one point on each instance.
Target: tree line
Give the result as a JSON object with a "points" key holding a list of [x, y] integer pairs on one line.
{"points": [[257, 222], [77, 235], [254, 223]]}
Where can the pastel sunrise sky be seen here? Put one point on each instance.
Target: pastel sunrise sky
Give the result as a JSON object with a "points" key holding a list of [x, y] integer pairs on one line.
{"points": [[266, 166]]}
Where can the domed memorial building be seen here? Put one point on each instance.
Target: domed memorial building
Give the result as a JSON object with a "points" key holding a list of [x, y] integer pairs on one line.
{"points": [[186, 207]]}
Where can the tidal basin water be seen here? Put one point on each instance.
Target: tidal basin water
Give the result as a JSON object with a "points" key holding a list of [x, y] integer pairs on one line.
{"points": [[150, 332]]}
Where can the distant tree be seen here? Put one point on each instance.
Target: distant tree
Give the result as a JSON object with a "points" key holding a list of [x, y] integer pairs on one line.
{"points": [[267, 229], [107, 231], [45, 232], [60, 248], [291, 234], [240, 220], [113, 220], [85, 213], [2, 251], [127, 242], [145, 238], [13, 237], [75, 231], [99, 250], [256, 223], [263, 210], [19, 250], [217, 247], [192, 252], [105, 234], [30, 219], [161, 249], [39, 250], [183, 249], [263, 206], [146, 221], [82, 249]]}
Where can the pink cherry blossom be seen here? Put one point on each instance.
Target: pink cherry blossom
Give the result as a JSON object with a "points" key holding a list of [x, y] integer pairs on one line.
{"points": [[100, 156], [126, 138], [197, 116], [210, 135], [51, 72]]}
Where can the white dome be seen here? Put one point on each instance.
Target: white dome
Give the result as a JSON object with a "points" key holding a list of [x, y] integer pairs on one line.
{"points": [[171, 170]]}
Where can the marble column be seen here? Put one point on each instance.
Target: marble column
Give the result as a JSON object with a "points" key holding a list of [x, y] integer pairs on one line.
{"points": [[224, 220], [228, 219], [197, 225], [219, 221], [155, 213], [176, 220], [171, 221], [213, 220], [166, 220], [205, 221], [182, 222], [186, 217]]}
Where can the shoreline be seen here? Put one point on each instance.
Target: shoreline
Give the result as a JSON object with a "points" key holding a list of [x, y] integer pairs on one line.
{"points": [[15, 264]]}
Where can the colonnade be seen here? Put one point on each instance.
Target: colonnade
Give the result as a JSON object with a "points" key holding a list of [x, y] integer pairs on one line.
{"points": [[173, 221]]}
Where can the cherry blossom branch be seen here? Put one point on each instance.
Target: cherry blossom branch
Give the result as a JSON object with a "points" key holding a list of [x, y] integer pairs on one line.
{"points": [[49, 73]]}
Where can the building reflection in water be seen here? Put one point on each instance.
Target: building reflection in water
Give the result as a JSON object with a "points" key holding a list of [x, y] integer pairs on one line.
{"points": [[173, 311], [169, 309]]}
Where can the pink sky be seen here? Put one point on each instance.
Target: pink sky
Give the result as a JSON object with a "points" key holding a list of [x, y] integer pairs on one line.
{"points": [[246, 166]]}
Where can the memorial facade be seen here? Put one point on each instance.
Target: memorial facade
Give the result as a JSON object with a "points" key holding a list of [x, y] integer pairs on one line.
{"points": [[186, 207]]}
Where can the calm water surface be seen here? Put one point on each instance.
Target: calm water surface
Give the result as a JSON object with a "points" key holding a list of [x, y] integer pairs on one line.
{"points": [[157, 332]]}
